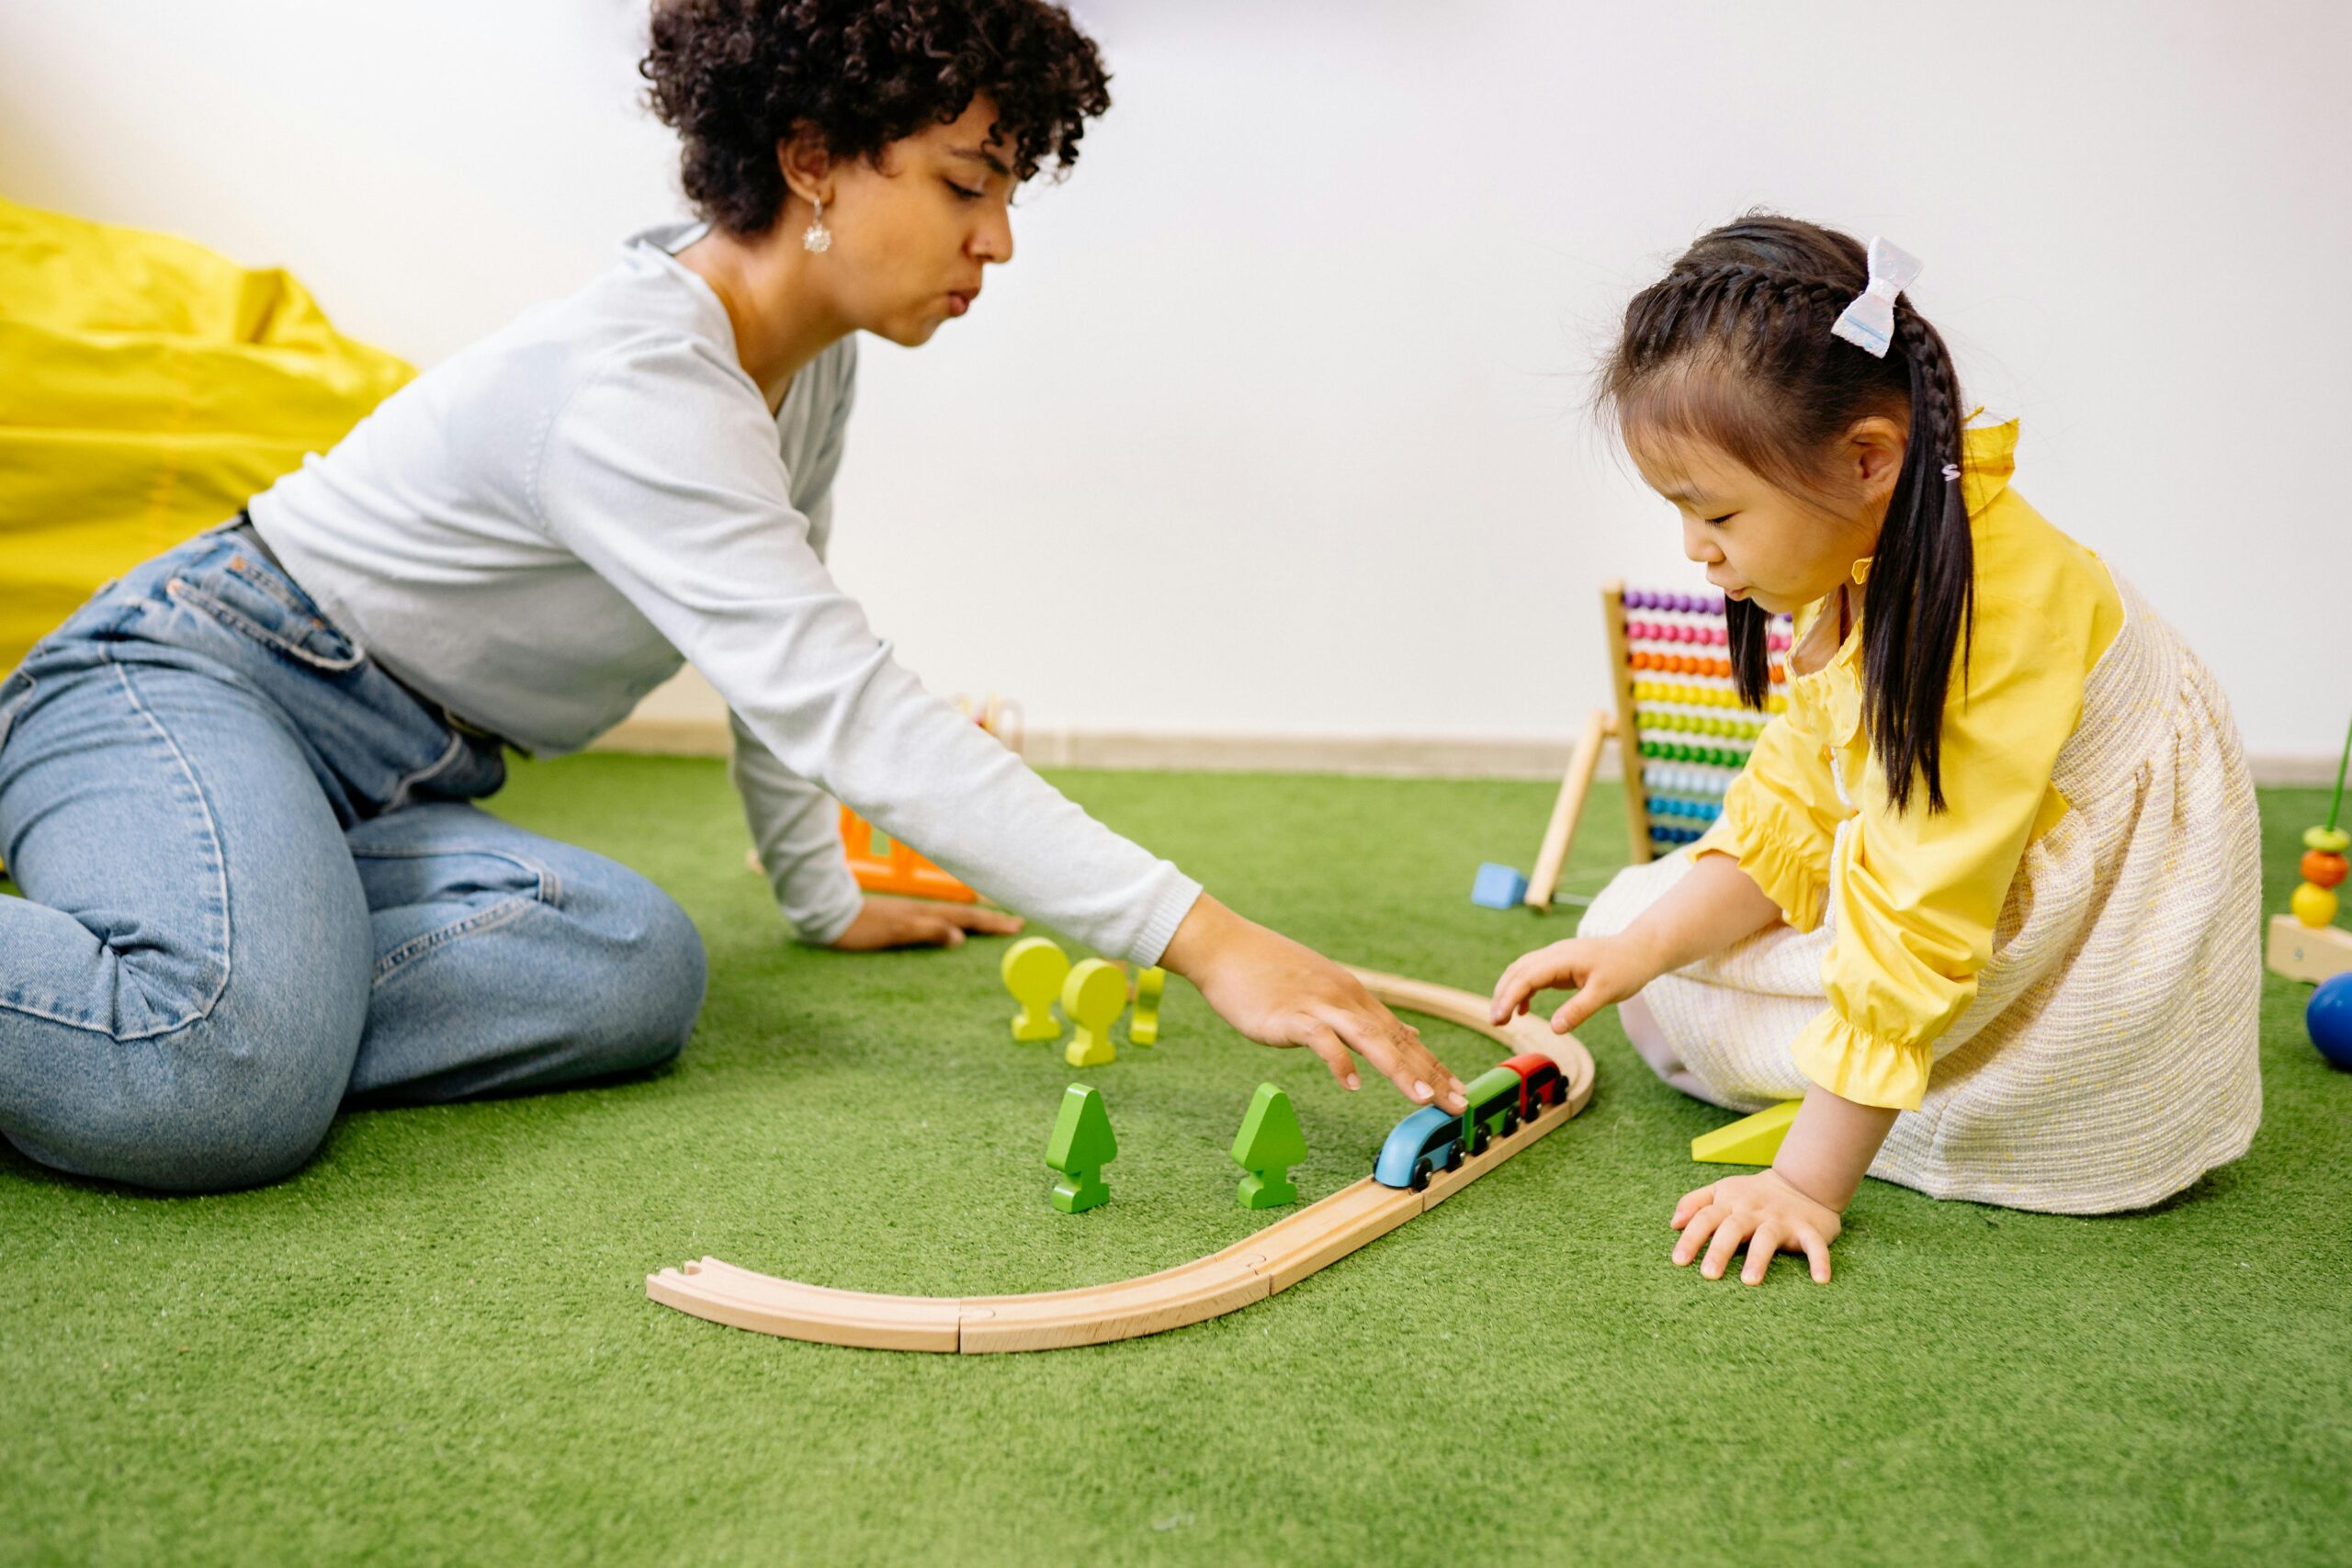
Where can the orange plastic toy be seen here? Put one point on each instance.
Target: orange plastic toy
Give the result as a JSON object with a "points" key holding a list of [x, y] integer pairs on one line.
{"points": [[897, 868]]}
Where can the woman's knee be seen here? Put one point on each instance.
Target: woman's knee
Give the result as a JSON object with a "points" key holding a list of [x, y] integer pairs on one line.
{"points": [[230, 1102], [652, 984], [675, 973]]}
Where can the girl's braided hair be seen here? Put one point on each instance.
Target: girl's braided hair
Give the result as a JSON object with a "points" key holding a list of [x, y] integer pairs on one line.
{"points": [[1733, 347]]}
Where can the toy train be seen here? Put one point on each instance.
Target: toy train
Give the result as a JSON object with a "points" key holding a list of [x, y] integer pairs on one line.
{"points": [[1500, 1100]]}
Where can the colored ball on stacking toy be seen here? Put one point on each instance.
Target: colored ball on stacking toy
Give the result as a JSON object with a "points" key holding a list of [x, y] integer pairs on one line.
{"points": [[2329, 1019], [2314, 907], [2322, 869]]}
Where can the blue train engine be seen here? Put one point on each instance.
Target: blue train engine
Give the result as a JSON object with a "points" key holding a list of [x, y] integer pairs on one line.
{"points": [[1429, 1139]]}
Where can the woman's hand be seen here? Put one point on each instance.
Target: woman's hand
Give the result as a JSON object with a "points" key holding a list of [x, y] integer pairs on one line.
{"points": [[1601, 970], [918, 922], [1765, 1210], [1279, 993]]}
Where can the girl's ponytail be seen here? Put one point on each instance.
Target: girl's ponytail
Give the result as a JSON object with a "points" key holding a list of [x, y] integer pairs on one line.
{"points": [[1918, 607]]}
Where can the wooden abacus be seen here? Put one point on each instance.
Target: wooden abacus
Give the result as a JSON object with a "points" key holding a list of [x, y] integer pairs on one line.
{"points": [[1682, 732]]}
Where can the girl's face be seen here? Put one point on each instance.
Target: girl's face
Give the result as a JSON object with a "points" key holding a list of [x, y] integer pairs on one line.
{"points": [[914, 228], [1760, 542]]}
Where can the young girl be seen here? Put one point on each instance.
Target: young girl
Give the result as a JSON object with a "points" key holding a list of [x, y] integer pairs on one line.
{"points": [[1987, 896]]}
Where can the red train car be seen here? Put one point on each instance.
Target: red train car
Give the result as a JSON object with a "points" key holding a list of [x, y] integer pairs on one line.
{"points": [[1541, 1082]]}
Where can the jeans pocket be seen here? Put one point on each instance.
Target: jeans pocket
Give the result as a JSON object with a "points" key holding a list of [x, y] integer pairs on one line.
{"points": [[246, 597]]}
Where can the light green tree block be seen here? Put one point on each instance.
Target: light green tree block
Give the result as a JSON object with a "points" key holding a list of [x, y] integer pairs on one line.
{"points": [[1267, 1145], [1081, 1146]]}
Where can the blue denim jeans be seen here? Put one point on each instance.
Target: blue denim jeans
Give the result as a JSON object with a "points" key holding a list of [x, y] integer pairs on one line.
{"points": [[256, 884]]}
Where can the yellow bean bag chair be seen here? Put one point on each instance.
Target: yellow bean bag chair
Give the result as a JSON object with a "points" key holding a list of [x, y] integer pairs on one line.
{"points": [[148, 388]]}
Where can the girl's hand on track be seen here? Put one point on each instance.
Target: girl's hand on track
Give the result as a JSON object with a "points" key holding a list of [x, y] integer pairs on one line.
{"points": [[1601, 970]]}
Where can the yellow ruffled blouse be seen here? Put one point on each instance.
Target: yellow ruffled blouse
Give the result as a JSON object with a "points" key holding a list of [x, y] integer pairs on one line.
{"points": [[1917, 895]]}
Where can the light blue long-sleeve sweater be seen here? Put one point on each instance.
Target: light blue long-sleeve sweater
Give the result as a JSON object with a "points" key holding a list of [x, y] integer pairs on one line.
{"points": [[535, 532]]}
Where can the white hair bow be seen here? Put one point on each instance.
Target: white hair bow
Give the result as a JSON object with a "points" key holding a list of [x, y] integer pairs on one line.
{"points": [[1868, 321]]}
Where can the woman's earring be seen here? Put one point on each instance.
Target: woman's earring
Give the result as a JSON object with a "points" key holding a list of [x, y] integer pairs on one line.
{"points": [[816, 237]]}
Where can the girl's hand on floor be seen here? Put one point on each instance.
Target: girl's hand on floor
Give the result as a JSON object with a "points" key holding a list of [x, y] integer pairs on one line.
{"points": [[1765, 1210], [918, 922], [1280, 993], [1601, 970]]}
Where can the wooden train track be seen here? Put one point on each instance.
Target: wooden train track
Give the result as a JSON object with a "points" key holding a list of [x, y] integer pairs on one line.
{"points": [[1249, 1270]]}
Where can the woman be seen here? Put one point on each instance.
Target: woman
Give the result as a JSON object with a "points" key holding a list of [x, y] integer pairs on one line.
{"points": [[235, 787]]}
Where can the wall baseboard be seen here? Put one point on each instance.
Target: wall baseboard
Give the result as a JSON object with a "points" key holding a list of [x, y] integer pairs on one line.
{"points": [[1390, 756], [1382, 756], [2307, 770]]}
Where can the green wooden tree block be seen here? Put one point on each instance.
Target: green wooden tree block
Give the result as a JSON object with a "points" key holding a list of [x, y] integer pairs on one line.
{"points": [[1267, 1145], [1081, 1146]]}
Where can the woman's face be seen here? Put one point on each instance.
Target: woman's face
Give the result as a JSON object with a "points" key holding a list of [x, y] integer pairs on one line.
{"points": [[1760, 542], [914, 227]]}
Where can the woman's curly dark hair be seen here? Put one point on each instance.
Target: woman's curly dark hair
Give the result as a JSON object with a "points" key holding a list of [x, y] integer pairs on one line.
{"points": [[735, 77]]}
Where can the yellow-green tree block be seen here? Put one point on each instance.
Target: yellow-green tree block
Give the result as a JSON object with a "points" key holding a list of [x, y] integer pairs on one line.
{"points": [[1094, 995], [1143, 1029], [1033, 969]]}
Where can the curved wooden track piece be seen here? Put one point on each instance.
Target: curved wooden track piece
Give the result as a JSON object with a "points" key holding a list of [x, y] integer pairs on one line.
{"points": [[1249, 1270]]}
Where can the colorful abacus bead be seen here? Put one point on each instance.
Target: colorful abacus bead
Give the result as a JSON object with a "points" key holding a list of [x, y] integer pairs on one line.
{"points": [[2315, 902]]}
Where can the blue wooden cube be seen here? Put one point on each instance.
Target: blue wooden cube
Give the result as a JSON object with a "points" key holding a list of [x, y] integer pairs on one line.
{"points": [[1498, 887]]}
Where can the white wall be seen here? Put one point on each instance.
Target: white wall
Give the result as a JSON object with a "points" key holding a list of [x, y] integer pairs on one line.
{"points": [[1274, 426]]}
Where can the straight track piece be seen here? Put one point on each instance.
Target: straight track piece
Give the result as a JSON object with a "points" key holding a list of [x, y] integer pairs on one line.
{"points": [[1326, 1231]]}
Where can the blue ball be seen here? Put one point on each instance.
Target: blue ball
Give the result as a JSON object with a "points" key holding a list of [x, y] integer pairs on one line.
{"points": [[2329, 1019]]}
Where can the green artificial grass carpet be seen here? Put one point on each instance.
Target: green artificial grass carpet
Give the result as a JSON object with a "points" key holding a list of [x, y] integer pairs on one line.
{"points": [[434, 1343]]}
